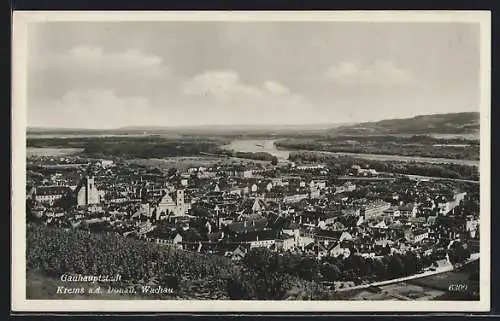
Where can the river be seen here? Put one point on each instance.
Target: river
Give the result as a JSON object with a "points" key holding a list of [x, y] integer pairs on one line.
{"points": [[268, 146]]}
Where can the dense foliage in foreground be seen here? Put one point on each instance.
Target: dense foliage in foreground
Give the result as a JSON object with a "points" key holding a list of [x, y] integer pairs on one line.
{"points": [[263, 275], [55, 251]]}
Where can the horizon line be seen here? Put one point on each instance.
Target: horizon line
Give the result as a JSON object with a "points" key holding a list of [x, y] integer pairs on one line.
{"points": [[194, 126]]}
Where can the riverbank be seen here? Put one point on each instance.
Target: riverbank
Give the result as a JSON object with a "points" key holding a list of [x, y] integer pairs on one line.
{"points": [[269, 146], [439, 270]]}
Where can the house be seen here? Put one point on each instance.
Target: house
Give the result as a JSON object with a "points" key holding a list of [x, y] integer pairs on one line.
{"points": [[375, 209], [315, 193], [258, 205], [165, 237], [50, 194], [310, 167], [106, 163], [239, 171], [292, 229], [295, 198], [393, 211], [264, 238], [472, 226], [420, 235], [345, 236], [416, 236], [337, 250], [380, 225], [360, 221], [409, 209], [285, 242], [317, 184], [351, 211], [237, 254], [305, 240], [317, 249], [177, 239], [248, 224], [349, 187]]}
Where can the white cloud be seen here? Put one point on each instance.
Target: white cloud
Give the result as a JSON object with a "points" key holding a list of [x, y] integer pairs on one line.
{"points": [[218, 84], [90, 108], [276, 88], [93, 60], [377, 73], [226, 85], [227, 99]]}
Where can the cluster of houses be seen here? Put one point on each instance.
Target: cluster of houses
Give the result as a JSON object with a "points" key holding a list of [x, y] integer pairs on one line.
{"points": [[228, 210]]}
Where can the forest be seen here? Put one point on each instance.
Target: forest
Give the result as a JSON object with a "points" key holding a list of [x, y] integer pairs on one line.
{"points": [[416, 145], [445, 170]]}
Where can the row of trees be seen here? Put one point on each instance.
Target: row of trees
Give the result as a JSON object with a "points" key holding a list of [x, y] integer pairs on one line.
{"points": [[390, 145], [340, 163]]}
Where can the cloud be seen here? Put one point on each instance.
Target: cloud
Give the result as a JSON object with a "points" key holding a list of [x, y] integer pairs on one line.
{"points": [[86, 66], [92, 59], [377, 73], [217, 84], [90, 108], [226, 86], [227, 99], [276, 88]]}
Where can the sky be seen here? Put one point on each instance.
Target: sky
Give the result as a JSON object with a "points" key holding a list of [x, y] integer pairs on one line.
{"points": [[101, 75]]}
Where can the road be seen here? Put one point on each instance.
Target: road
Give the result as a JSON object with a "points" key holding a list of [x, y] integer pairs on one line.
{"points": [[393, 176], [439, 270], [443, 179]]}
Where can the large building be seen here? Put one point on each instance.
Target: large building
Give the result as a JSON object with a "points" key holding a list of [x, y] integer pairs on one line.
{"points": [[375, 209], [50, 194], [87, 193], [176, 207]]}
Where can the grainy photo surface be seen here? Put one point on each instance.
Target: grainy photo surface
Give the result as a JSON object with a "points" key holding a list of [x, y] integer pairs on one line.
{"points": [[236, 158]]}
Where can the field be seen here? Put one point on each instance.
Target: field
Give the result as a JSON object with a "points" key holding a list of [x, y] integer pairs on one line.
{"points": [[48, 151], [183, 163], [398, 291]]}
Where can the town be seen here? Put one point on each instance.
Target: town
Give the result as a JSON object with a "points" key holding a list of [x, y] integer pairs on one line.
{"points": [[231, 209]]}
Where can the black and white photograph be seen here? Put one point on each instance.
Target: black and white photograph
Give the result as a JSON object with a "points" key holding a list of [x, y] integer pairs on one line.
{"points": [[251, 161]]}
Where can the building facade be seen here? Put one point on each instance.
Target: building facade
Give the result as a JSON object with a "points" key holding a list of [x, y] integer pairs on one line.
{"points": [[87, 193]]}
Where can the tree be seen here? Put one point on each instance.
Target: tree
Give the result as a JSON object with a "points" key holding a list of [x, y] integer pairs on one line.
{"points": [[274, 161]]}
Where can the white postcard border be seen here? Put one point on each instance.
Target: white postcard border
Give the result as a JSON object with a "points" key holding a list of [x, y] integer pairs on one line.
{"points": [[19, 123]]}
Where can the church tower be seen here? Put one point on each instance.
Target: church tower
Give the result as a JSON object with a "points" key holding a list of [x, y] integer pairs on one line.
{"points": [[180, 198], [87, 193]]}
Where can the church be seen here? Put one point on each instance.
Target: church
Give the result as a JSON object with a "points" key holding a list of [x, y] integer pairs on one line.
{"points": [[169, 205], [87, 193]]}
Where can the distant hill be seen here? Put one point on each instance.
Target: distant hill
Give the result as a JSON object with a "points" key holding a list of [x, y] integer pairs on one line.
{"points": [[190, 130], [453, 123]]}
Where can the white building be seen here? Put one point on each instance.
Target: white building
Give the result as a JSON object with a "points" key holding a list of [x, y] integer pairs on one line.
{"points": [[87, 193], [177, 207]]}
